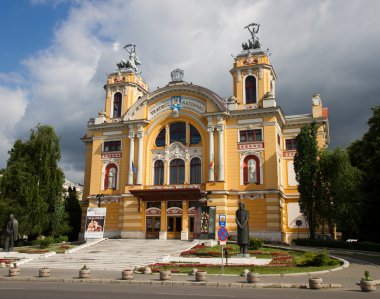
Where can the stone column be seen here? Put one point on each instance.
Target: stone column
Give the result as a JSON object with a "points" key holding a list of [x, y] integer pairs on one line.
{"points": [[185, 220], [211, 176], [140, 136], [163, 228], [131, 137], [221, 153]]}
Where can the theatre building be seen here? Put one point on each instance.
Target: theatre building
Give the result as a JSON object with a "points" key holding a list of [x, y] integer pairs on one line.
{"points": [[168, 163]]}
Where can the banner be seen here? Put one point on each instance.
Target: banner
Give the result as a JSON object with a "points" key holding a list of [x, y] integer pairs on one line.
{"points": [[95, 221]]}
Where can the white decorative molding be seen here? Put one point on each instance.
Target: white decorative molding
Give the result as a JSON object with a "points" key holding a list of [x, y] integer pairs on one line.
{"points": [[153, 211], [113, 133], [177, 151], [174, 211]]}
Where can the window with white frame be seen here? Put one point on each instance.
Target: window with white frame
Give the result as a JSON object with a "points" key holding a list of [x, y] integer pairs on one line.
{"points": [[251, 135]]}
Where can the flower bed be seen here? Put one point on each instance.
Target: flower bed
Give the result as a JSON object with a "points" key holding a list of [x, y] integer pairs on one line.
{"points": [[33, 251]]}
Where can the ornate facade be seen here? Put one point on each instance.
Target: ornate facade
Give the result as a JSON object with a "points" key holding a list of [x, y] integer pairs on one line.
{"points": [[169, 162]]}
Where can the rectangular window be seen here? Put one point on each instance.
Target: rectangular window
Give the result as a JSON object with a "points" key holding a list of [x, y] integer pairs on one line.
{"points": [[278, 140], [112, 146], [290, 144], [251, 135]]}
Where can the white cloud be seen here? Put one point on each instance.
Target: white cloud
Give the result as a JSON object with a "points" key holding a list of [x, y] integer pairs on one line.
{"points": [[13, 103], [316, 46]]}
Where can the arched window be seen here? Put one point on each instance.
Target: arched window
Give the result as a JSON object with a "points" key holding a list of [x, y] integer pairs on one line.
{"points": [[160, 140], [251, 170], [117, 99], [177, 171], [178, 132], [195, 171], [110, 177], [195, 137], [250, 90], [159, 172]]}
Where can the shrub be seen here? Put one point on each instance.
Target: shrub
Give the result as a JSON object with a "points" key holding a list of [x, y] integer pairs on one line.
{"points": [[310, 259], [255, 243], [45, 242]]}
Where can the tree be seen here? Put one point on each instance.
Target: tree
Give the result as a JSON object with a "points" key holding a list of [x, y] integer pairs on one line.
{"points": [[341, 200], [365, 155], [306, 169], [74, 210], [31, 185]]}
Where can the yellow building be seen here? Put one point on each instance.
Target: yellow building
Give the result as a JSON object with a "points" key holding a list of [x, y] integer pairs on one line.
{"points": [[170, 162]]}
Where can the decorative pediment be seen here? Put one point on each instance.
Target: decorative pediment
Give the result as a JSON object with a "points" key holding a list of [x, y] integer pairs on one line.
{"points": [[177, 151]]}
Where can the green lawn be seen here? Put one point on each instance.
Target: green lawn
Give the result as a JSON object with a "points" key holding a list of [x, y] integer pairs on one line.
{"points": [[283, 261]]}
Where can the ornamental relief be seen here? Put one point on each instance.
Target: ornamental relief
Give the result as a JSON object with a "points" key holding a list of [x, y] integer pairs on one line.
{"points": [[177, 151]]}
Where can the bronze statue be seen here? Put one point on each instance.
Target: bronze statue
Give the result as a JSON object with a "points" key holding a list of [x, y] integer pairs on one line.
{"points": [[11, 233], [254, 42], [242, 217], [133, 62]]}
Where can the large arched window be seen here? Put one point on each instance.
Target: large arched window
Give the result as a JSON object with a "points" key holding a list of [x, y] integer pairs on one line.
{"points": [[117, 101], [251, 170], [195, 171], [178, 132], [250, 90], [195, 137], [159, 172], [110, 177], [160, 139], [177, 171]]}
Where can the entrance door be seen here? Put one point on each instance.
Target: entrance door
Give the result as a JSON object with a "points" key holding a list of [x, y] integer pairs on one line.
{"points": [[174, 227], [153, 224]]}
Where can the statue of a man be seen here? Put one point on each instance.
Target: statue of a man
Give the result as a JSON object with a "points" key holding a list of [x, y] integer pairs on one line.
{"points": [[11, 233], [252, 171], [242, 217]]}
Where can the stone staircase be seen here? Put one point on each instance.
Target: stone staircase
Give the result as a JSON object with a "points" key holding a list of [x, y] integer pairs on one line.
{"points": [[114, 254]]}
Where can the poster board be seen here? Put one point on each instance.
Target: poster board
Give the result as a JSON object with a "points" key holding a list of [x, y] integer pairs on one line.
{"points": [[95, 222]]}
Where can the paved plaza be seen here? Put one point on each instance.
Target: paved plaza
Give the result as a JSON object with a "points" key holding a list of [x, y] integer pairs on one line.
{"points": [[107, 258]]}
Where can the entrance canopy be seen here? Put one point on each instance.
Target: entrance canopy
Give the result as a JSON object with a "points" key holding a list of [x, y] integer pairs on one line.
{"points": [[168, 193]]}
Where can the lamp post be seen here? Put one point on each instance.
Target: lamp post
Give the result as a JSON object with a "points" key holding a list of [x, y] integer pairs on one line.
{"points": [[99, 199]]}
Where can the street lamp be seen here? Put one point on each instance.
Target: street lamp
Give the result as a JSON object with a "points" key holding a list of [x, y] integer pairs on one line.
{"points": [[99, 198]]}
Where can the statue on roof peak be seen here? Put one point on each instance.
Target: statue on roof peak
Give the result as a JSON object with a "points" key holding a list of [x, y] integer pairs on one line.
{"points": [[133, 62], [254, 42]]}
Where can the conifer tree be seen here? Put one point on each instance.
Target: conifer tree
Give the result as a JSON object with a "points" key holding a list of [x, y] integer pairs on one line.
{"points": [[31, 185], [306, 169], [74, 210]]}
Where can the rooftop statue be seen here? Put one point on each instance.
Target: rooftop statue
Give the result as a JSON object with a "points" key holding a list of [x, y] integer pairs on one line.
{"points": [[133, 62], [254, 42]]}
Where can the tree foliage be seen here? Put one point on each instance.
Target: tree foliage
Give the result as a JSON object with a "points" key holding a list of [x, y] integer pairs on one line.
{"points": [[74, 210], [306, 169], [365, 155], [31, 185], [341, 198]]}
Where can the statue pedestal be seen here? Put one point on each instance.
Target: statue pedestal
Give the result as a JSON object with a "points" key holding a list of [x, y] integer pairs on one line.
{"points": [[243, 255]]}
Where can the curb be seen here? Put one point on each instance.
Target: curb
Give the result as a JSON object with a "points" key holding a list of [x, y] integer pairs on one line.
{"points": [[174, 283], [85, 245]]}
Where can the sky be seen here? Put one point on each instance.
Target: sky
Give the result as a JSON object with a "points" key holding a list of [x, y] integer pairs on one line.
{"points": [[55, 56]]}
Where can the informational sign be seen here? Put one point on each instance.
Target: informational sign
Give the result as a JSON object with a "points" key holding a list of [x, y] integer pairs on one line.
{"points": [[222, 233], [222, 219], [95, 221], [222, 243]]}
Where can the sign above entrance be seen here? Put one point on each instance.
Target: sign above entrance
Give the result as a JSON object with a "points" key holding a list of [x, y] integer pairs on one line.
{"points": [[177, 102]]}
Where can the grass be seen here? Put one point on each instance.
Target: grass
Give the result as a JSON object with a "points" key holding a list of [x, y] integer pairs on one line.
{"points": [[283, 261], [238, 270]]}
